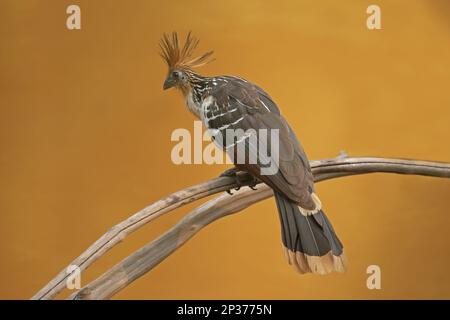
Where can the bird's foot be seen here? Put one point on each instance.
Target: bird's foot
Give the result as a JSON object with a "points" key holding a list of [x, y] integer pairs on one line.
{"points": [[235, 174], [240, 177], [253, 184]]}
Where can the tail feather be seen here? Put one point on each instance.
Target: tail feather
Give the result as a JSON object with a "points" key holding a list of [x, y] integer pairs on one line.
{"points": [[309, 240]]}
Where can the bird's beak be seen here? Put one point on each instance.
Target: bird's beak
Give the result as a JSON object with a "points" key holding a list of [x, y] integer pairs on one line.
{"points": [[169, 83]]}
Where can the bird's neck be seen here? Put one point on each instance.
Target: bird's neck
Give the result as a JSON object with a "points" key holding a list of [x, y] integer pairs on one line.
{"points": [[197, 84], [194, 92]]}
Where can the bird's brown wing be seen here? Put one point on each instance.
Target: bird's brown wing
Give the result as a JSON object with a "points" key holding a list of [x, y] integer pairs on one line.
{"points": [[252, 108]]}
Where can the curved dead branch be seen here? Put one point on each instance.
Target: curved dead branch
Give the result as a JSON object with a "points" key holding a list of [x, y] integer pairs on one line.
{"points": [[117, 233], [153, 253]]}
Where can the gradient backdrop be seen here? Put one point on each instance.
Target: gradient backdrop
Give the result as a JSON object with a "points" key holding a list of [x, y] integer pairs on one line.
{"points": [[85, 140]]}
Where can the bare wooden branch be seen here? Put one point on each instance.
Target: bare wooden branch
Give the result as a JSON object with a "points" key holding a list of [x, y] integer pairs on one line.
{"points": [[117, 233], [150, 255], [146, 258]]}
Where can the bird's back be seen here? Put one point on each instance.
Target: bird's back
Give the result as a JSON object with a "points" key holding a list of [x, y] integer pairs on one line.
{"points": [[232, 103]]}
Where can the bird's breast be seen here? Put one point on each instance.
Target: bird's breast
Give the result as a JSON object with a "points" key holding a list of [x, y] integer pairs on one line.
{"points": [[193, 106]]}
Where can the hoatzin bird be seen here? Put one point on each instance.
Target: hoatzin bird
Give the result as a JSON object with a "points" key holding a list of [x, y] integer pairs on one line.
{"points": [[228, 102]]}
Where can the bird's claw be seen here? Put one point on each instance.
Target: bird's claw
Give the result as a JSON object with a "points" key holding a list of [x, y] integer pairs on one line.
{"points": [[233, 173], [237, 175], [253, 184]]}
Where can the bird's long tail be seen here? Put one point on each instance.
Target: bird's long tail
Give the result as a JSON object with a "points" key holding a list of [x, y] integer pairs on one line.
{"points": [[309, 240]]}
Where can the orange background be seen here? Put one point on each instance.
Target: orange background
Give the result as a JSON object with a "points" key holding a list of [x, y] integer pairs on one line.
{"points": [[85, 141]]}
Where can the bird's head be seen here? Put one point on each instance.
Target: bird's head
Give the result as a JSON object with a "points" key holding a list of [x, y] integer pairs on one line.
{"points": [[179, 60], [176, 78]]}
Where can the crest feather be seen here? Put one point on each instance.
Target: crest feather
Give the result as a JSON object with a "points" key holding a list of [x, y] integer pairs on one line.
{"points": [[181, 58]]}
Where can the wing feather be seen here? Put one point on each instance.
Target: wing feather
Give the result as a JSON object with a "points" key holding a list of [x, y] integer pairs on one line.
{"points": [[258, 111]]}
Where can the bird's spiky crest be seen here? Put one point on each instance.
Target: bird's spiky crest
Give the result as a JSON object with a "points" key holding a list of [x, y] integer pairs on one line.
{"points": [[180, 57]]}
